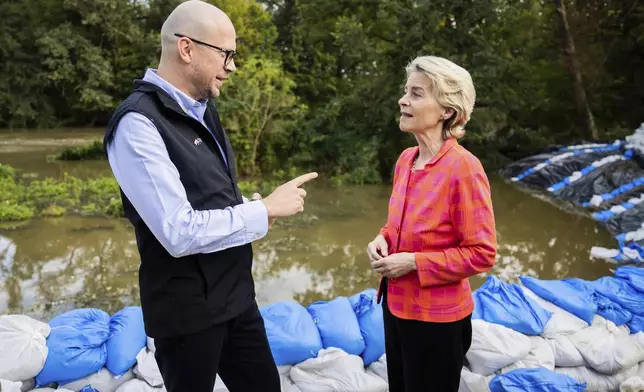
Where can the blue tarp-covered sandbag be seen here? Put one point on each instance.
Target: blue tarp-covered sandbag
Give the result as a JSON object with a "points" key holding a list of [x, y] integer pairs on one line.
{"points": [[338, 325], [562, 295], [634, 276], [535, 380], [292, 334], [371, 323], [636, 324], [618, 290], [127, 338], [76, 346], [505, 304], [606, 308]]}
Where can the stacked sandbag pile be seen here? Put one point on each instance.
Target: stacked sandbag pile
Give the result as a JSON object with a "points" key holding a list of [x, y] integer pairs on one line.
{"points": [[568, 335], [336, 345], [590, 331]]}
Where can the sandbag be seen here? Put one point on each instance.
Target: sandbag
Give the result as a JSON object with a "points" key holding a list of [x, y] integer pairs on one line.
{"points": [[286, 383], [76, 346], [565, 352], [48, 390], [606, 308], [335, 370], [494, 347], [562, 295], [636, 324], [103, 380], [150, 344], [595, 381], [633, 275], [535, 380], [609, 349], [127, 338], [147, 369], [633, 384], [10, 386], [338, 325], [561, 322], [540, 354], [506, 304], [23, 347], [292, 334], [621, 292], [372, 328], [379, 368], [472, 382], [137, 385]]}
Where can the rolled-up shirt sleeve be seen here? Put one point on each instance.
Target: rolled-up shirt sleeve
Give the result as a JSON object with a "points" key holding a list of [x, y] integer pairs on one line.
{"points": [[142, 167]]}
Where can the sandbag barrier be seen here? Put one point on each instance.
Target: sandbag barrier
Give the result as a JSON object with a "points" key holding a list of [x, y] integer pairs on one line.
{"points": [[604, 181], [537, 335], [568, 153]]}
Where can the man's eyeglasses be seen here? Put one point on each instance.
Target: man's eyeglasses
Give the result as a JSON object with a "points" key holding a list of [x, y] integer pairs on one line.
{"points": [[230, 54]]}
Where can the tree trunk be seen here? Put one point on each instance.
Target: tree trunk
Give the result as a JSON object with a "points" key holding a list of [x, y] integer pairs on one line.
{"points": [[568, 45]]}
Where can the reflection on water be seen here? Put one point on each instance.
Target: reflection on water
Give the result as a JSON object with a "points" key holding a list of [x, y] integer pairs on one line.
{"points": [[52, 265]]}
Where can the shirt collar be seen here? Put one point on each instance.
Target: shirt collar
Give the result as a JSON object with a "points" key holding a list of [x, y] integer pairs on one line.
{"points": [[447, 145], [190, 106]]}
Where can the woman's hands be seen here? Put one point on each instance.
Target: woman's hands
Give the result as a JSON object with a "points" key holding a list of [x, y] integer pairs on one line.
{"points": [[378, 248], [390, 266]]}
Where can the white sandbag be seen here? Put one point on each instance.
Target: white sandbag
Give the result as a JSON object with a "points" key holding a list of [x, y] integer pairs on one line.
{"points": [[23, 347], [285, 379], [48, 390], [137, 385], [495, 347], [151, 345], [379, 368], [595, 381], [103, 381], [472, 382], [609, 349], [147, 369], [640, 370], [335, 370], [540, 355], [565, 352], [633, 384], [10, 386], [561, 322]]}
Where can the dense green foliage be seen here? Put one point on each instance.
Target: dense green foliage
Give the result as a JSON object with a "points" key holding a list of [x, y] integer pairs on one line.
{"points": [[24, 197], [318, 81]]}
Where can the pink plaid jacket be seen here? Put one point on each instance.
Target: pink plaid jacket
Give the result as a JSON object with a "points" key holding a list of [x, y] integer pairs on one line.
{"points": [[443, 214]]}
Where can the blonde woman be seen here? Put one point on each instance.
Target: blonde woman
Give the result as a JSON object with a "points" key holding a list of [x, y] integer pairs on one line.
{"points": [[440, 231]]}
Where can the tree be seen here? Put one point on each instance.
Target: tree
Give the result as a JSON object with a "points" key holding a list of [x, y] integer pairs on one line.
{"points": [[568, 45], [258, 101]]}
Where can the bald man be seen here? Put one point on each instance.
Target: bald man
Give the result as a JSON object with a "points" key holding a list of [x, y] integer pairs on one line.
{"points": [[175, 167]]}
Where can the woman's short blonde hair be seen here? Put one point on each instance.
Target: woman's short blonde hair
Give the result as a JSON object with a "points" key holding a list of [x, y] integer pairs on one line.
{"points": [[452, 88]]}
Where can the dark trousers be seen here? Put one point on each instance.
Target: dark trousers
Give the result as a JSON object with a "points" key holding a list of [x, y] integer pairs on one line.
{"points": [[237, 350], [424, 356]]}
